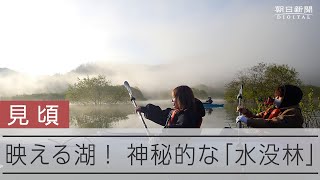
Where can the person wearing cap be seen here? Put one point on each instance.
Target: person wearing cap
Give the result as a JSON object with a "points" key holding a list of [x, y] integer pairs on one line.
{"points": [[286, 112], [209, 100]]}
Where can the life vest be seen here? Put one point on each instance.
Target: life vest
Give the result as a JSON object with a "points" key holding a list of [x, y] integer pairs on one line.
{"points": [[172, 116], [271, 113]]}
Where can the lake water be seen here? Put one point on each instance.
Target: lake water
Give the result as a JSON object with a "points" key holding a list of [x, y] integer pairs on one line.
{"points": [[124, 116]]}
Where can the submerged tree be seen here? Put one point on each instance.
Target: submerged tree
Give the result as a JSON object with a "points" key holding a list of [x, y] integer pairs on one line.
{"points": [[310, 107], [260, 81], [97, 91]]}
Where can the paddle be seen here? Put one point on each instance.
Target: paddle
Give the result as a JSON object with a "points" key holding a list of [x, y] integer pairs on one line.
{"points": [[133, 100], [239, 97]]}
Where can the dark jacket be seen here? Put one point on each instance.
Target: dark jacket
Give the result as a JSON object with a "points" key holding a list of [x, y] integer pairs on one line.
{"points": [[209, 101], [182, 119], [290, 115]]}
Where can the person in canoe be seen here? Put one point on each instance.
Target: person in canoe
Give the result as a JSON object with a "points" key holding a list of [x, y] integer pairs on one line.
{"points": [[285, 113], [209, 100], [187, 111]]}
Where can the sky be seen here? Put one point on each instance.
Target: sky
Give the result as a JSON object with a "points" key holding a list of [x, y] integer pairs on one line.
{"points": [[205, 38]]}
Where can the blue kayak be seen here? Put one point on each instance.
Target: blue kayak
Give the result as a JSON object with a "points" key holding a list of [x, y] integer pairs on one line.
{"points": [[209, 105]]}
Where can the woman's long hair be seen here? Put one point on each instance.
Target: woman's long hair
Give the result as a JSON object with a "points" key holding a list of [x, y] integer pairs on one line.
{"points": [[184, 98]]}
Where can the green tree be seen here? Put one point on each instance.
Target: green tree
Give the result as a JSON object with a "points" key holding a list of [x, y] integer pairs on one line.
{"points": [[280, 74], [260, 81], [310, 109], [98, 90], [89, 90]]}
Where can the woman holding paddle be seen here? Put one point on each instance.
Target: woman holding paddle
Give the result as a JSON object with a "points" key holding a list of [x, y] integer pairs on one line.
{"points": [[187, 111], [285, 113]]}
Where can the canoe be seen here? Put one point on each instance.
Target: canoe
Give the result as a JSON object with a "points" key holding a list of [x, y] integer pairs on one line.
{"points": [[208, 105]]}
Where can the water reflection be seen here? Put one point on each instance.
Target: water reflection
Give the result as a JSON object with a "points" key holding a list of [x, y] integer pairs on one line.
{"points": [[97, 116], [209, 111], [231, 114], [123, 116]]}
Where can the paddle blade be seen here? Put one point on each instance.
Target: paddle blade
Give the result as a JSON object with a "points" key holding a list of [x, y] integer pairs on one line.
{"points": [[126, 84]]}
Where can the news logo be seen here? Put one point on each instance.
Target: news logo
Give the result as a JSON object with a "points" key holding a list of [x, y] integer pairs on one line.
{"points": [[293, 12]]}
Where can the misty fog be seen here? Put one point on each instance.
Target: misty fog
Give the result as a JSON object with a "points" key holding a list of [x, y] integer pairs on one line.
{"points": [[150, 79]]}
